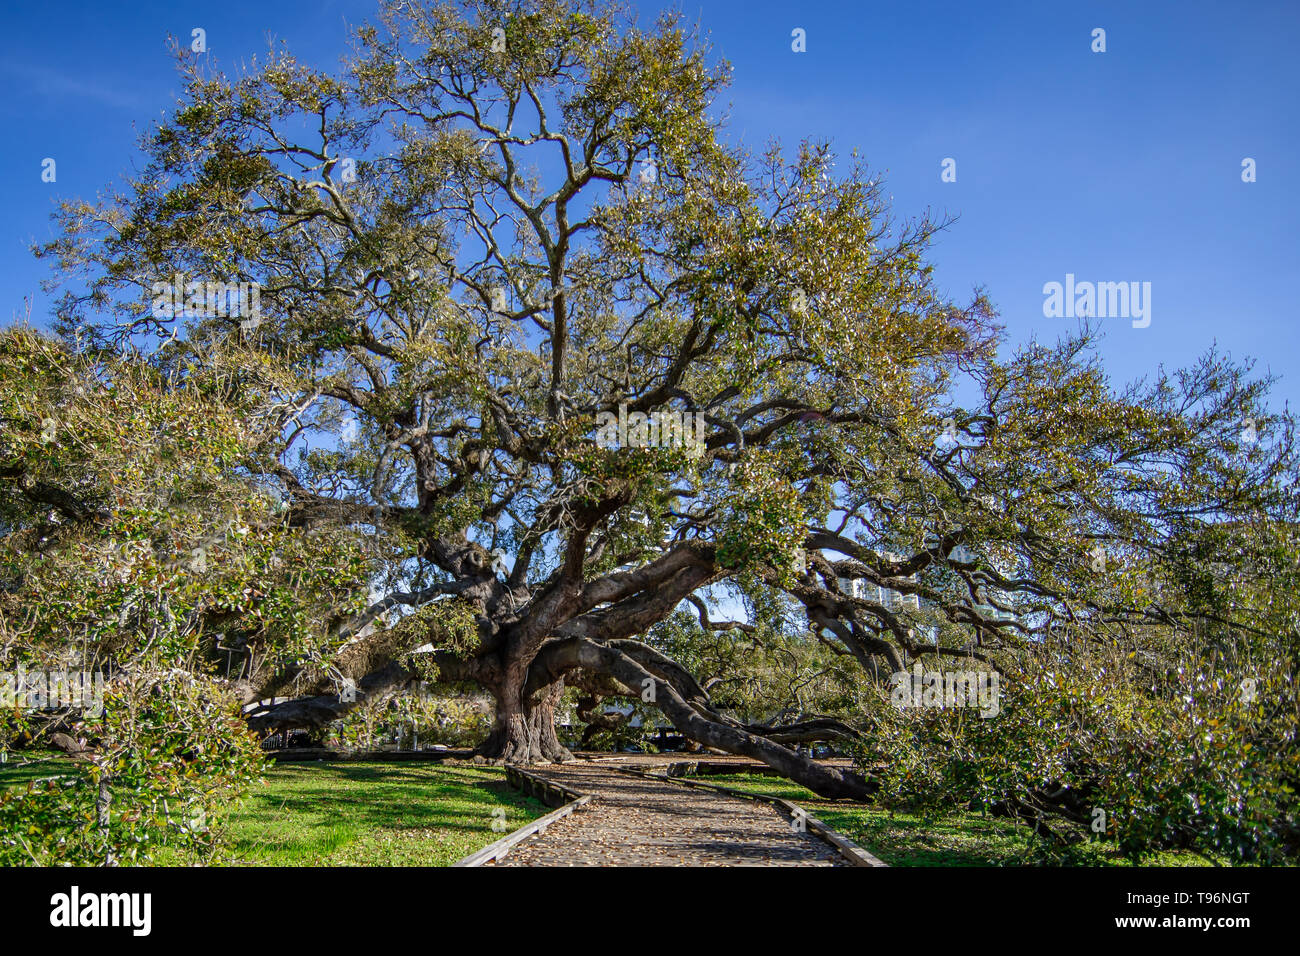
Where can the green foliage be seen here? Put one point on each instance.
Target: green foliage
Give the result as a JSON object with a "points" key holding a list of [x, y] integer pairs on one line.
{"points": [[762, 523], [169, 755], [1209, 763], [135, 546], [424, 717], [767, 675], [496, 275], [942, 837]]}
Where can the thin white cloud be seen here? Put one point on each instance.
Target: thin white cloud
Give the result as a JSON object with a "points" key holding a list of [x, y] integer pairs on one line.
{"points": [[44, 81]]}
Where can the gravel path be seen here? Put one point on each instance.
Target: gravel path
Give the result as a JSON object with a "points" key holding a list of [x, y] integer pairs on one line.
{"points": [[638, 822]]}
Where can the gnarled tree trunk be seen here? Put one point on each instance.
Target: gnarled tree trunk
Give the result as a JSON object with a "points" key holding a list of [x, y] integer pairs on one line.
{"points": [[524, 731], [685, 705]]}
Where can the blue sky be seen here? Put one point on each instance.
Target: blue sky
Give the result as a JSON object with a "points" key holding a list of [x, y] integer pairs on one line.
{"points": [[1116, 166]]}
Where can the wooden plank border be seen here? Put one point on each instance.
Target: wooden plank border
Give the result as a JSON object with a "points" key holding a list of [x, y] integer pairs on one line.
{"points": [[547, 791], [306, 754], [842, 845]]}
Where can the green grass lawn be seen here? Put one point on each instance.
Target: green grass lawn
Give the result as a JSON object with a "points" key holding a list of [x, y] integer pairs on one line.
{"points": [[352, 814], [959, 839], [26, 766], [374, 814], [428, 814]]}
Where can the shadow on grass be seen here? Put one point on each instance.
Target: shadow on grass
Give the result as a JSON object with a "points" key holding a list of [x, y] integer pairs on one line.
{"points": [[376, 814], [955, 839]]}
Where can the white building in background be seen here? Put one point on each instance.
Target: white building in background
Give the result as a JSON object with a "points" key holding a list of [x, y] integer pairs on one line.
{"points": [[993, 613], [864, 590], [962, 555], [894, 601]]}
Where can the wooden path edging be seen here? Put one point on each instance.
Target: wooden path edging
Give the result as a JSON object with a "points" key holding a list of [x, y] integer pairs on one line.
{"points": [[842, 844], [567, 800], [306, 754], [705, 768]]}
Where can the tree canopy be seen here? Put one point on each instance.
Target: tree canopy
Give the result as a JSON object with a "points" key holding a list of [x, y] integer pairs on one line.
{"points": [[540, 359]]}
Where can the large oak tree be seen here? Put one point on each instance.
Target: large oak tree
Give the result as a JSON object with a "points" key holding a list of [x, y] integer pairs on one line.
{"points": [[498, 225]]}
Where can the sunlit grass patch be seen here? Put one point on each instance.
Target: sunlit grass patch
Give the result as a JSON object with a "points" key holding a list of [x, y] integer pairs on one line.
{"points": [[353, 814], [957, 839]]}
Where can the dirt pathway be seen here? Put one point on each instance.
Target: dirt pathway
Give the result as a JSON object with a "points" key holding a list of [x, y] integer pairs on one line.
{"points": [[634, 821]]}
